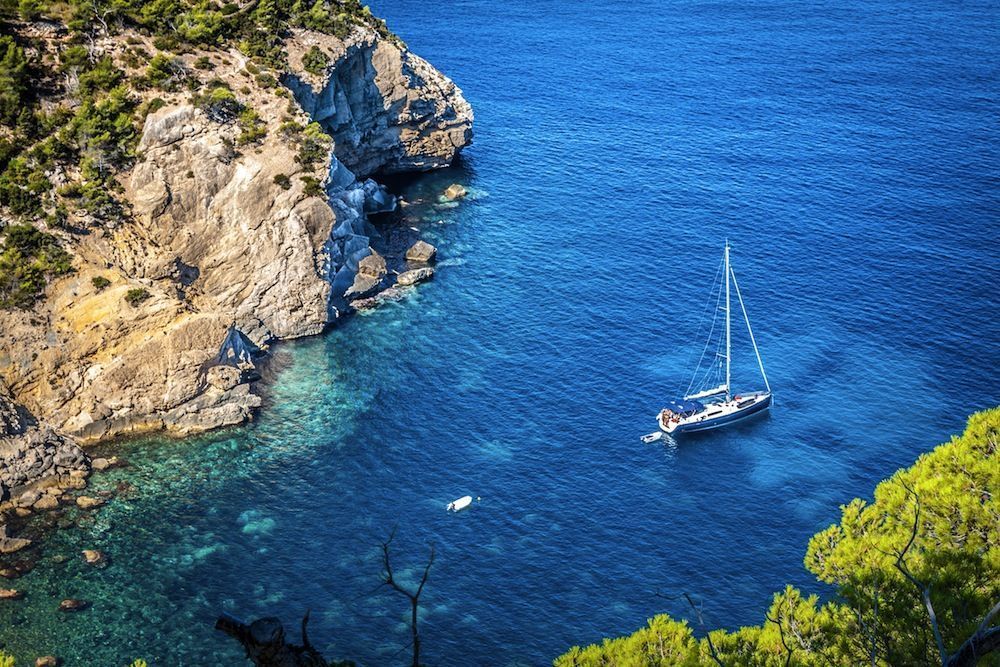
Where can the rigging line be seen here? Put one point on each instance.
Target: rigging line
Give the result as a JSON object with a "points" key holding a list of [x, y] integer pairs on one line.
{"points": [[752, 339], [712, 366], [715, 369], [712, 370], [711, 330], [708, 304]]}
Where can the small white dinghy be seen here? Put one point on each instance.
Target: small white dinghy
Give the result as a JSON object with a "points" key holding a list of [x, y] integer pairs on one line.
{"points": [[652, 437], [460, 504]]}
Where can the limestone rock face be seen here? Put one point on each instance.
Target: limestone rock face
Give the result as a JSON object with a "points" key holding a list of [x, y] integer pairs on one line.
{"points": [[220, 235], [387, 109], [10, 421]]}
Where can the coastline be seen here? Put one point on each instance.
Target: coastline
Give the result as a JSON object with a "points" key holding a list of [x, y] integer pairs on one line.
{"points": [[171, 365]]}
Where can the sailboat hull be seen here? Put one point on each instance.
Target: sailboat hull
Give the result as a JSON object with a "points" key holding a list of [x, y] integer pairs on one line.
{"points": [[718, 415]]}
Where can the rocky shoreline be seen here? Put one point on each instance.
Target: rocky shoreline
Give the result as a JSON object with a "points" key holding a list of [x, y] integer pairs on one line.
{"points": [[234, 250]]}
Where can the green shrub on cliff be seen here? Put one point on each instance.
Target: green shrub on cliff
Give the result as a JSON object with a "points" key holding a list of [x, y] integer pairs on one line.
{"points": [[218, 102], [21, 187], [102, 76], [930, 530], [28, 258], [14, 79], [312, 187], [163, 72], [104, 130], [136, 295], [252, 128], [314, 145], [6, 660], [315, 60]]}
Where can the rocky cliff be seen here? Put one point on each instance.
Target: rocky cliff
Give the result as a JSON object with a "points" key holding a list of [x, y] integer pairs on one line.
{"points": [[224, 235]]}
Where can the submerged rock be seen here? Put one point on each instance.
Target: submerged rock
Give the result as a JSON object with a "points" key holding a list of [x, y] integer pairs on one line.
{"points": [[75, 483], [10, 594], [88, 502], [101, 464], [414, 276], [422, 252], [93, 556], [73, 604], [394, 293]]}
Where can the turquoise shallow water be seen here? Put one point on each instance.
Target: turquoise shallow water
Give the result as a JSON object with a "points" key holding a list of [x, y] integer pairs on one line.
{"points": [[851, 156]]}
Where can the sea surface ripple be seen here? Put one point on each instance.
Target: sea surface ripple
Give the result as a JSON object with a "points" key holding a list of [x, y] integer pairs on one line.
{"points": [[849, 152]]}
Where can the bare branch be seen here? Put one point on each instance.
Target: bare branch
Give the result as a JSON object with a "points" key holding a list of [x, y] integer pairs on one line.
{"points": [[414, 597], [427, 570], [305, 632], [781, 635], [874, 651], [708, 635], [925, 591], [984, 640]]}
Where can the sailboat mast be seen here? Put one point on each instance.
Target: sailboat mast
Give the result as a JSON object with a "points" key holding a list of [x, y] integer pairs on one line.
{"points": [[728, 339]]}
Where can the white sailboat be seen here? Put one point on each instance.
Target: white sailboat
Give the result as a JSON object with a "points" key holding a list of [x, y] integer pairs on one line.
{"points": [[712, 403]]}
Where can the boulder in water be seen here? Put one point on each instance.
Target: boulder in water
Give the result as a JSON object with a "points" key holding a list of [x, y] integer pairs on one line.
{"points": [[455, 191], [422, 252], [9, 544], [29, 498], [372, 266], [414, 276]]}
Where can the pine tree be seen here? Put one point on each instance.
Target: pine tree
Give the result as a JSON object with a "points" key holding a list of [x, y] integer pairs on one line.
{"points": [[13, 79], [267, 16]]}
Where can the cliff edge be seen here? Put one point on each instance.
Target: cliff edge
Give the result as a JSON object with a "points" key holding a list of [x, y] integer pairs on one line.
{"points": [[246, 221]]}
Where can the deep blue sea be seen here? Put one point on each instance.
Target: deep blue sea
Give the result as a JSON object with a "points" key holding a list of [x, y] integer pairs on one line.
{"points": [[849, 151]]}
